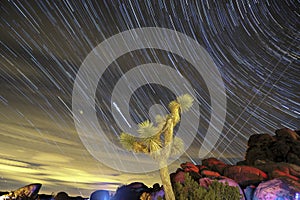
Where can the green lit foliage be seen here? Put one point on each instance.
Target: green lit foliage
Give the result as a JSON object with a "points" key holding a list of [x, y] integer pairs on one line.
{"points": [[190, 190]]}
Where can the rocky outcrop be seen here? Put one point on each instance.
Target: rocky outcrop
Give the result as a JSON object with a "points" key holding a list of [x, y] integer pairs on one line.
{"points": [[271, 169], [284, 146], [245, 175], [214, 164], [281, 169]]}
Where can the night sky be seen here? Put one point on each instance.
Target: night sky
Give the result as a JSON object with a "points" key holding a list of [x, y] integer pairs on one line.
{"points": [[254, 45]]}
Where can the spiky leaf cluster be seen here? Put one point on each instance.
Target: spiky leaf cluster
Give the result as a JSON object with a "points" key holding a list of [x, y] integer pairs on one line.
{"points": [[127, 141], [147, 142], [151, 137], [185, 101]]}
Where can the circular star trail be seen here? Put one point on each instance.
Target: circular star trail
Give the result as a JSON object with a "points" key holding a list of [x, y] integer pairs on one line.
{"points": [[254, 44]]}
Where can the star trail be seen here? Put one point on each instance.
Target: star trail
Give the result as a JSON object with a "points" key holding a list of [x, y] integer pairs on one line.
{"points": [[254, 44]]}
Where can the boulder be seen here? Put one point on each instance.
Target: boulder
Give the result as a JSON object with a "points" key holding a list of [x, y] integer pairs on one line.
{"points": [[133, 191], [214, 165], [205, 172], [281, 169], [208, 173], [205, 182], [257, 153], [245, 175], [293, 158], [279, 150], [279, 188], [260, 140], [100, 195], [249, 192], [287, 134], [188, 167], [284, 146], [61, 196], [295, 147], [178, 177]]}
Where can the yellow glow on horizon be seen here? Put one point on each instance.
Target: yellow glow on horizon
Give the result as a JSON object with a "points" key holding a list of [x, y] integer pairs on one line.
{"points": [[18, 169], [13, 163], [51, 157], [75, 175]]}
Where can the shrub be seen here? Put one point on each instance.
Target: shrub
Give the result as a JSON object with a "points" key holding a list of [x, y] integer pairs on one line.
{"points": [[191, 190]]}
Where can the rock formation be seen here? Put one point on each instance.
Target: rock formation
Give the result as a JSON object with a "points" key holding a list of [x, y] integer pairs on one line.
{"points": [[284, 146]]}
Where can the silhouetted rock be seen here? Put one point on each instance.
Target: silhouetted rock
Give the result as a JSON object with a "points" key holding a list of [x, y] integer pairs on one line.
{"points": [[65, 196], [286, 134], [156, 187], [133, 191], [260, 140], [242, 162], [293, 158], [283, 147], [62, 196], [3, 193], [279, 150], [45, 197], [254, 153]]}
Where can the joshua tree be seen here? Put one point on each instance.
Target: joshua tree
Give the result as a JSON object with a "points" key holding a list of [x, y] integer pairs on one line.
{"points": [[159, 141]]}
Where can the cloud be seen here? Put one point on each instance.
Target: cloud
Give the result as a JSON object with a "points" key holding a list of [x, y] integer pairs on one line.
{"points": [[44, 157]]}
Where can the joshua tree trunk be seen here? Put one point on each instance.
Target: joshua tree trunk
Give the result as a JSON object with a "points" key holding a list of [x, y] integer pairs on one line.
{"points": [[165, 178], [163, 162]]}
